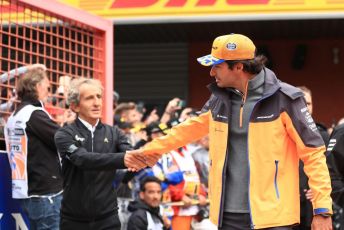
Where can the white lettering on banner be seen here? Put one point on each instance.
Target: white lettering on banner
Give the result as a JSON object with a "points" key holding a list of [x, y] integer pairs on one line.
{"points": [[20, 223], [15, 147]]}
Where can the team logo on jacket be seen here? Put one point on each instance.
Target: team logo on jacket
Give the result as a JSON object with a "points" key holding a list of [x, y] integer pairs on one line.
{"points": [[106, 140], [309, 119], [77, 138], [266, 116]]}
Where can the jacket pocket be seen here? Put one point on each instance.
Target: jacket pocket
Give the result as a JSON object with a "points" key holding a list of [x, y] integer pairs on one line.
{"points": [[275, 180]]}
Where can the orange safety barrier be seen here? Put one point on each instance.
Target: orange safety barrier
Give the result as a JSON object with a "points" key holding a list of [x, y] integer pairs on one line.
{"points": [[69, 42]]}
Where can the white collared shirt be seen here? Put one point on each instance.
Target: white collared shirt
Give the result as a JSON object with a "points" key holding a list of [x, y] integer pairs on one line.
{"points": [[89, 126]]}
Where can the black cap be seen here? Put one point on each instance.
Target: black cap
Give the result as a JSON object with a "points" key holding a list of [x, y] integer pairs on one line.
{"points": [[156, 127]]}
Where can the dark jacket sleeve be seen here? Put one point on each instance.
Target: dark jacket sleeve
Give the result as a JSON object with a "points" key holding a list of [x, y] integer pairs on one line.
{"points": [[138, 221], [338, 151], [43, 127], [71, 150], [335, 158]]}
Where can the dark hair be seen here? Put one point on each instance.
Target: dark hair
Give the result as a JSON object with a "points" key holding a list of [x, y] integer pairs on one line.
{"points": [[124, 107], [252, 66], [27, 84], [146, 180]]}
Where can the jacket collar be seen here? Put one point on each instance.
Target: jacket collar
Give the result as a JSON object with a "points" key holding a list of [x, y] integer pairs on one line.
{"points": [[27, 101], [139, 204], [88, 125], [271, 85], [83, 127], [217, 91], [31, 102]]}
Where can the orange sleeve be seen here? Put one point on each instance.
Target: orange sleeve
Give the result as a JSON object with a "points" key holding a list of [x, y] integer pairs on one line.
{"points": [[180, 135], [315, 168]]}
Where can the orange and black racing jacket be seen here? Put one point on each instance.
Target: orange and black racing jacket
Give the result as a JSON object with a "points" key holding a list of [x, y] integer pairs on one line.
{"points": [[281, 131]]}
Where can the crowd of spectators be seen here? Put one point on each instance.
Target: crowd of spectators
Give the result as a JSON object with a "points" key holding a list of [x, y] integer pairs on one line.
{"points": [[182, 172]]}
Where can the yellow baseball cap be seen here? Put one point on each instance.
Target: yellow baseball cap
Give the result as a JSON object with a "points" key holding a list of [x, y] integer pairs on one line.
{"points": [[229, 47]]}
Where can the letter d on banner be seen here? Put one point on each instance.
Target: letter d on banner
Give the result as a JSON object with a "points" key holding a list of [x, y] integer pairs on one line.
{"points": [[20, 223], [11, 217]]}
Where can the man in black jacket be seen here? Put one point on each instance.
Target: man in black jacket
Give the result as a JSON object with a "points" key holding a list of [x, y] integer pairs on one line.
{"points": [[91, 152], [335, 161], [146, 211], [35, 164]]}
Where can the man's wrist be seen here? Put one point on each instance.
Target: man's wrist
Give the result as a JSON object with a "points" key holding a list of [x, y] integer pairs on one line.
{"points": [[324, 214]]}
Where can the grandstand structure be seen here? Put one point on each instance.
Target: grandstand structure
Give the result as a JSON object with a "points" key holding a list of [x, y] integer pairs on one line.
{"points": [[68, 41]]}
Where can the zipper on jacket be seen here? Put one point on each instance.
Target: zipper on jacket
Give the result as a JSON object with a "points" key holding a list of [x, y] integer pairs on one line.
{"points": [[243, 100], [241, 111], [220, 211], [92, 140], [249, 173], [224, 170], [94, 211], [222, 200], [275, 181], [248, 158]]}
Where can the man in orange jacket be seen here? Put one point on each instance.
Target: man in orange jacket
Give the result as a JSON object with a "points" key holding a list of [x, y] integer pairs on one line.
{"points": [[259, 128]]}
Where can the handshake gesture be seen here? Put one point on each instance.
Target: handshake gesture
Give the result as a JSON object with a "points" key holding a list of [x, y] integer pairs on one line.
{"points": [[135, 160]]}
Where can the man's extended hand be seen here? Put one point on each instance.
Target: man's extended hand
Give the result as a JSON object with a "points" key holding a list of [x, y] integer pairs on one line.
{"points": [[134, 160], [322, 223], [152, 159], [138, 158]]}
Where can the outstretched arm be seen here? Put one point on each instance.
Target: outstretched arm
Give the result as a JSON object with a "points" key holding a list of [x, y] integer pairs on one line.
{"points": [[72, 150], [186, 132]]}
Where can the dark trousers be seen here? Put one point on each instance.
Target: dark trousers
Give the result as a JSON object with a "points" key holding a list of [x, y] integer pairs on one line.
{"points": [[242, 221], [109, 223]]}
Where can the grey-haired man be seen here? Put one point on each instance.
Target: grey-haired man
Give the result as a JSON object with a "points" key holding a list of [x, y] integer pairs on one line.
{"points": [[91, 152]]}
